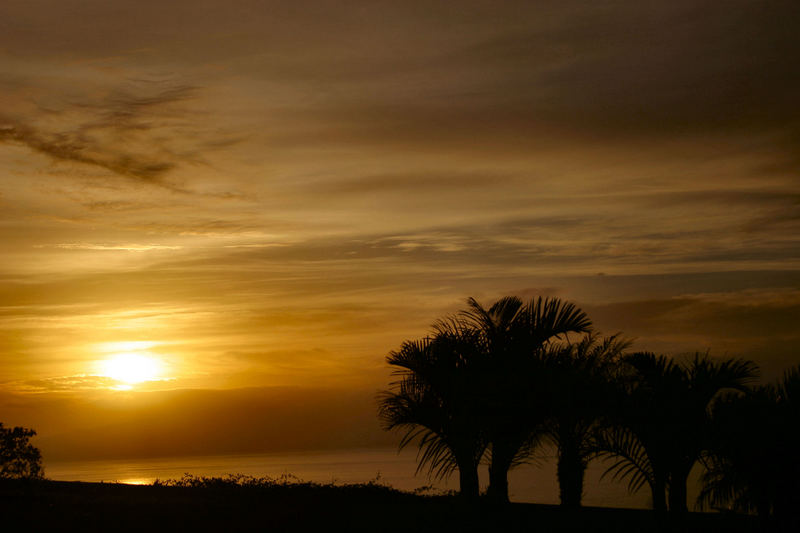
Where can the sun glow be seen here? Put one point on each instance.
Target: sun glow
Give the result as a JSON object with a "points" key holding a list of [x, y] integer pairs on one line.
{"points": [[131, 368]]}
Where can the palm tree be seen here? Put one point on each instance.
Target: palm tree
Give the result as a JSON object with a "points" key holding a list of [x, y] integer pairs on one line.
{"points": [[433, 403], [704, 379], [579, 377], [514, 335], [664, 421], [752, 465], [644, 410], [739, 465]]}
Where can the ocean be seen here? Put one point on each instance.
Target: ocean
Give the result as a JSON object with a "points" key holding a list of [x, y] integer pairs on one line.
{"points": [[535, 483]]}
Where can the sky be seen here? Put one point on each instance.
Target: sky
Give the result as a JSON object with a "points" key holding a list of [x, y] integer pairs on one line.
{"points": [[218, 218]]}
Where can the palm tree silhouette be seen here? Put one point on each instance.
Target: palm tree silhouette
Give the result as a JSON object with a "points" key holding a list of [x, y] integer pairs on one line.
{"points": [[513, 407], [665, 423], [704, 379], [579, 377], [752, 465], [434, 403]]}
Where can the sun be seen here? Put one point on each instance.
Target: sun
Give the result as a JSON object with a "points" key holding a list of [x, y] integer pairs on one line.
{"points": [[131, 368], [129, 363]]}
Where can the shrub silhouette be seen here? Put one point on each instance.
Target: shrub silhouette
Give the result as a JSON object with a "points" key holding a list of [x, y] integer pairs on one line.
{"points": [[19, 459]]}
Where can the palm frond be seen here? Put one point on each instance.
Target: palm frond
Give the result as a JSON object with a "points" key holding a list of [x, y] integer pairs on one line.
{"points": [[545, 318], [630, 457]]}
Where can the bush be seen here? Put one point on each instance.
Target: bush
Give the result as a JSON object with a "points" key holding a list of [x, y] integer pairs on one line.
{"points": [[19, 459]]}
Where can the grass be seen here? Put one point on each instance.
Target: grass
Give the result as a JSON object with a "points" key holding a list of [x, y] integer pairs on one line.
{"points": [[246, 503]]}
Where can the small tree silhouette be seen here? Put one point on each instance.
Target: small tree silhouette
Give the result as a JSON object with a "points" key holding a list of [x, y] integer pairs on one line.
{"points": [[19, 459]]}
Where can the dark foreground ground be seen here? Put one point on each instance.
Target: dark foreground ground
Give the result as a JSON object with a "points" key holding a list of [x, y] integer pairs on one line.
{"points": [[74, 506]]}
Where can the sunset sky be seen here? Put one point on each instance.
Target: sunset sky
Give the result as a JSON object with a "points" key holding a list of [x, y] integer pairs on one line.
{"points": [[226, 214]]}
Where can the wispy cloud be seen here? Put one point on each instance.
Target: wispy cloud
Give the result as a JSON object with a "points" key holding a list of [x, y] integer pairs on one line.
{"points": [[109, 247], [69, 147], [135, 129], [69, 384]]}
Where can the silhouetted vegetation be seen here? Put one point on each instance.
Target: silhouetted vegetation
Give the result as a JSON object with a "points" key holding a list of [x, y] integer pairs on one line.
{"points": [[241, 503], [514, 409], [19, 459], [470, 387], [435, 402], [283, 482], [579, 383], [495, 383], [661, 422], [752, 464]]}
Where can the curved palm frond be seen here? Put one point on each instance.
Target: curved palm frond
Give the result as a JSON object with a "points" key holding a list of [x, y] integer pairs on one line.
{"points": [[706, 377], [420, 417], [630, 458], [545, 318], [499, 315]]}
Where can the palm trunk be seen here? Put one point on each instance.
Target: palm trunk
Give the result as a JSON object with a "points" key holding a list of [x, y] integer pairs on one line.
{"points": [[498, 473], [498, 482], [659, 490], [677, 491], [468, 480], [571, 469]]}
